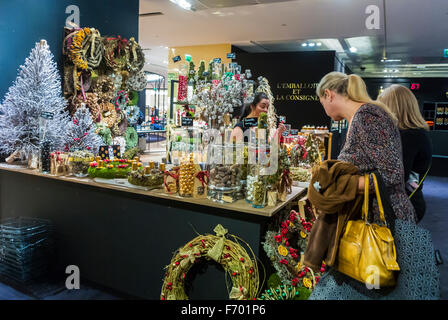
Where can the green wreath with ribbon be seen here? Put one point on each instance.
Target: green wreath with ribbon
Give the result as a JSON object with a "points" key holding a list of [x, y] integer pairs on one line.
{"points": [[131, 137], [241, 267]]}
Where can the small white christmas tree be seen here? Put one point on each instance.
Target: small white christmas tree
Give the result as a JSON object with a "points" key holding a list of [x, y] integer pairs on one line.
{"points": [[266, 88], [80, 132], [37, 89]]}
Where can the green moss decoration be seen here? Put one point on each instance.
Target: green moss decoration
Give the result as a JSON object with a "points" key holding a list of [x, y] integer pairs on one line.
{"points": [[263, 121], [131, 138], [109, 173], [133, 98]]}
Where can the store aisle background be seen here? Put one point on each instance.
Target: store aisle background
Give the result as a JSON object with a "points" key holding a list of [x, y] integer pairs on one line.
{"points": [[435, 220]]}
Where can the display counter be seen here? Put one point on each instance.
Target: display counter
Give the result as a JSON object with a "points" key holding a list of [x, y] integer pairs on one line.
{"points": [[122, 238]]}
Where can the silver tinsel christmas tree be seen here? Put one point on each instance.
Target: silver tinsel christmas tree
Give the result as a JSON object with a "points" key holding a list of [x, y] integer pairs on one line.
{"points": [[80, 132], [37, 89]]}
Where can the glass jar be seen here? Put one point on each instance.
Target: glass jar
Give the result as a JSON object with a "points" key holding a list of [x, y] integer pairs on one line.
{"points": [[256, 187], [79, 162], [186, 176], [45, 156]]}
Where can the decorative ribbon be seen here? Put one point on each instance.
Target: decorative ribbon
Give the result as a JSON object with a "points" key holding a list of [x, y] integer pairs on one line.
{"points": [[201, 175], [189, 257], [216, 252], [238, 293], [120, 41], [175, 176], [94, 34]]}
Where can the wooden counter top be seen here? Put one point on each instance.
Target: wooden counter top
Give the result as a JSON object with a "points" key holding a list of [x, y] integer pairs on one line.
{"points": [[238, 206]]}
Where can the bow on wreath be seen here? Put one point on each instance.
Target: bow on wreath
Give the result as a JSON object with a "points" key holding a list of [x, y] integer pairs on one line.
{"points": [[216, 252], [120, 42], [238, 293], [189, 257]]}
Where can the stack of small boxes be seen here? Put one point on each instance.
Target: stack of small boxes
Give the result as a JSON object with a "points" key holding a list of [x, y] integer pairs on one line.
{"points": [[26, 248]]}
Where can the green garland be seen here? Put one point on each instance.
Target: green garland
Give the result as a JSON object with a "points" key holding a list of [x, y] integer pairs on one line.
{"points": [[131, 137]]}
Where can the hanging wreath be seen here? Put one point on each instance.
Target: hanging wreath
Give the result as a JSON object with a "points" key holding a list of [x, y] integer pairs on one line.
{"points": [[133, 98], [131, 137], [133, 114], [104, 132], [137, 81], [237, 264], [108, 114], [286, 247], [76, 53], [115, 53], [104, 88], [117, 79], [136, 60], [121, 99]]}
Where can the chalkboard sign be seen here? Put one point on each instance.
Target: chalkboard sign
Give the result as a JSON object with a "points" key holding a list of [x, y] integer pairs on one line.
{"points": [[187, 122], [231, 55], [250, 122], [177, 58], [47, 115]]}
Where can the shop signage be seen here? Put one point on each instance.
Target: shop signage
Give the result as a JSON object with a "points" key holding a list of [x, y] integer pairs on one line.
{"points": [[296, 91], [47, 115], [217, 60], [231, 56], [187, 122], [177, 59], [294, 132], [250, 122]]}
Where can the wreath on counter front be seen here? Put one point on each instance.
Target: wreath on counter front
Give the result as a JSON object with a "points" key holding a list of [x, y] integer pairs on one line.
{"points": [[285, 248], [241, 267]]}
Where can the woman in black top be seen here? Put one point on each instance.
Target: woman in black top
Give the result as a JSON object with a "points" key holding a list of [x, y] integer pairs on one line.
{"points": [[416, 144], [252, 111]]}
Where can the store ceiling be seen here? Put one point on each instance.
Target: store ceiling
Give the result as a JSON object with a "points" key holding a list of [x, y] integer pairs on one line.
{"points": [[416, 32]]}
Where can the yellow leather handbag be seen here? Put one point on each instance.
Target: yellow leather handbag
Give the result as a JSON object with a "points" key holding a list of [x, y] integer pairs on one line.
{"points": [[366, 250]]}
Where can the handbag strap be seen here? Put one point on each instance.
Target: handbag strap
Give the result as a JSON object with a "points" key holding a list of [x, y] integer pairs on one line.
{"points": [[420, 183], [365, 207]]}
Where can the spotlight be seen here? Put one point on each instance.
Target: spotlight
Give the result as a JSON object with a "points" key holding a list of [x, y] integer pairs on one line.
{"points": [[304, 44], [353, 49], [311, 44]]}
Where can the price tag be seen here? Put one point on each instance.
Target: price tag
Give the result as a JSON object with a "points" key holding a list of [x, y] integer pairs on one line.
{"points": [[177, 59], [187, 122], [231, 55], [250, 122], [47, 115]]}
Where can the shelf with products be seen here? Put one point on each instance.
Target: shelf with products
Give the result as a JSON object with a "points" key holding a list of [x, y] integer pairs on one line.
{"points": [[436, 115]]}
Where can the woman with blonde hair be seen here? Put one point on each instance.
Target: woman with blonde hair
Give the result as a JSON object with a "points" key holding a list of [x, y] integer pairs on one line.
{"points": [[373, 144], [415, 141]]}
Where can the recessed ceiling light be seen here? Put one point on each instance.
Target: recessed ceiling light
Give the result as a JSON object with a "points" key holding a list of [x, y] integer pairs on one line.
{"points": [[304, 44], [319, 44], [311, 44], [353, 49], [182, 3]]}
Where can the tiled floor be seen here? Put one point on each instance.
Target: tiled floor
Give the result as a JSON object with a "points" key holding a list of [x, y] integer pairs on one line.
{"points": [[435, 220]]}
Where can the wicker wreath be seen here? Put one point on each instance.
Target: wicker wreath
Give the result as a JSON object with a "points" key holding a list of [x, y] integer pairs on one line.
{"points": [[237, 263], [137, 81], [108, 114], [136, 60], [286, 247], [115, 53], [131, 137], [104, 88]]}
